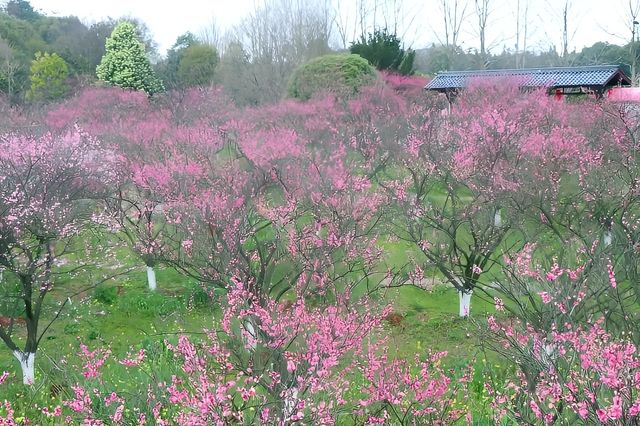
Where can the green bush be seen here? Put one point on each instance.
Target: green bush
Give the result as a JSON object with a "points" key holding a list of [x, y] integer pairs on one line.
{"points": [[105, 295], [198, 297], [72, 329], [48, 77], [384, 51], [343, 75]]}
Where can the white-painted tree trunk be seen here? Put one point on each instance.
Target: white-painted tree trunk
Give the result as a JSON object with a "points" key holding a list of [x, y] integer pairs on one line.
{"points": [[497, 219], [607, 238], [465, 302], [290, 403], [27, 364], [550, 355], [251, 343], [550, 349], [151, 278]]}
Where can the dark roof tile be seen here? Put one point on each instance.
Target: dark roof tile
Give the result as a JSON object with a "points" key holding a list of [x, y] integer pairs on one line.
{"points": [[597, 75]]}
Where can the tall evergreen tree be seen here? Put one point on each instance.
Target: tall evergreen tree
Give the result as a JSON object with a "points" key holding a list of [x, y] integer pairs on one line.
{"points": [[384, 51], [125, 64]]}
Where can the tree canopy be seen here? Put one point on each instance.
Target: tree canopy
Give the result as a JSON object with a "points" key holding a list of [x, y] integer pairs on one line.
{"points": [[197, 65], [48, 77], [384, 51], [189, 63], [125, 64]]}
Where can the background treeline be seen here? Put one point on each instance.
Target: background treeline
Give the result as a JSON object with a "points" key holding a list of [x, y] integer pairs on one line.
{"points": [[253, 61], [24, 32], [441, 58]]}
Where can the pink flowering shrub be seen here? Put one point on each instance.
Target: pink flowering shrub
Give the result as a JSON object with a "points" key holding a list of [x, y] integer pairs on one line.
{"points": [[571, 375], [156, 144], [397, 391], [283, 363], [575, 363]]}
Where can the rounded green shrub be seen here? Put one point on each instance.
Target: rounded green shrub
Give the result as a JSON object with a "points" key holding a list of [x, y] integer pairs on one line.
{"points": [[342, 74]]}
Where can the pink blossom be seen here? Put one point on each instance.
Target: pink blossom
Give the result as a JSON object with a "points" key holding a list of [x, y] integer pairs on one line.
{"points": [[536, 410], [612, 275], [130, 362], [546, 298]]}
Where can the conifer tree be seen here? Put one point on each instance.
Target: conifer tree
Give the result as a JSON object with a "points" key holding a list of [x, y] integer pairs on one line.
{"points": [[125, 64]]}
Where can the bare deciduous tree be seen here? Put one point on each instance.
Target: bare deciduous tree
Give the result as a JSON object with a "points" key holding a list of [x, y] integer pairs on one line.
{"points": [[210, 34], [565, 29], [278, 36], [454, 14], [342, 17], [9, 67], [566, 18], [482, 13], [634, 11], [355, 20], [521, 31]]}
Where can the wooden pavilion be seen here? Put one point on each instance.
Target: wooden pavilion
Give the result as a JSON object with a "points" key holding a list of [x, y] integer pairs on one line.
{"points": [[559, 81]]}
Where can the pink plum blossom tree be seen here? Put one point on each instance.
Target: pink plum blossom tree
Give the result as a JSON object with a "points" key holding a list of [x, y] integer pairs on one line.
{"points": [[46, 191]]}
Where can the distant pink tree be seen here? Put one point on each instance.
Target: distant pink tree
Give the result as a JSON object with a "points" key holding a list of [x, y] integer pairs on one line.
{"points": [[147, 136], [133, 128], [279, 202], [465, 181], [612, 199], [219, 194], [572, 324], [578, 196], [47, 189]]}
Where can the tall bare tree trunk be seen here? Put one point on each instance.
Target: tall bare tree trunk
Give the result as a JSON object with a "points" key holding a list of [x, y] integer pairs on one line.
{"points": [[634, 10], [454, 14], [521, 33], [565, 31], [482, 12]]}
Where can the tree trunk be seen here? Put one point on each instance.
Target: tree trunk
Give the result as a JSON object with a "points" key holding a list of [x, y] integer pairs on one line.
{"points": [[290, 403], [549, 356], [465, 302], [151, 278], [27, 364], [497, 219], [251, 343]]}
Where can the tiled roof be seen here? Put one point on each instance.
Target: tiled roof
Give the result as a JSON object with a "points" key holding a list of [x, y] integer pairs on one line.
{"points": [[597, 75]]}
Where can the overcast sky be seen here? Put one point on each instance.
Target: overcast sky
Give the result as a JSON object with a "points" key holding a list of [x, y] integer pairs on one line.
{"points": [[589, 20]]}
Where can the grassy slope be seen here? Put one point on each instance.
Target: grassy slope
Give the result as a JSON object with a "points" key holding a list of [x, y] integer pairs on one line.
{"points": [[138, 318]]}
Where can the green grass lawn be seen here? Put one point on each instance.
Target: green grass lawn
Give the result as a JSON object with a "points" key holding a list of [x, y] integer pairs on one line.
{"points": [[430, 321], [123, 314]]}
